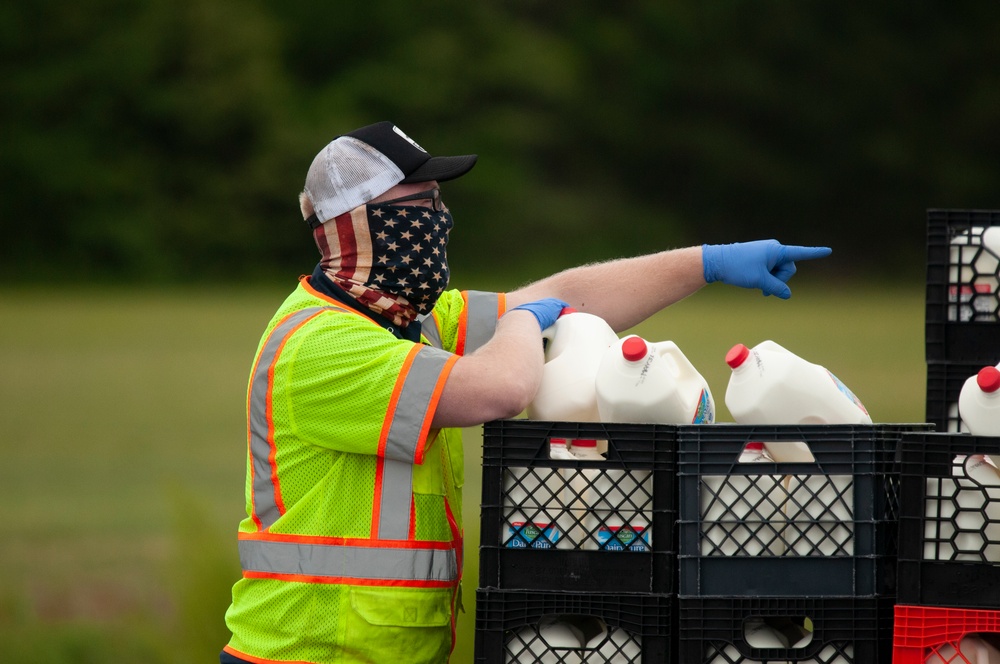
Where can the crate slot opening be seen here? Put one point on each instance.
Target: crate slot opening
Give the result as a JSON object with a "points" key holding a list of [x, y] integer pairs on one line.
{"points": [[778, 631]]}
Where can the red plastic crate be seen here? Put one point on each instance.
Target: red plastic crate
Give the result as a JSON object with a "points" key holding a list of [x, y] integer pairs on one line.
{"points": [[919, 631]]}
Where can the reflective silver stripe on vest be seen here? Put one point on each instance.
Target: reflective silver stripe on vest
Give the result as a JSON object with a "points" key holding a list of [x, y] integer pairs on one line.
{"points": [[351, 562], [264, 497], [481, 319], [397, 488], [429, 328], [404, 436]]}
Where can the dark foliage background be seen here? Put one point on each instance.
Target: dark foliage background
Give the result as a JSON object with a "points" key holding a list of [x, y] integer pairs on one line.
{"points": [[166, 140]]}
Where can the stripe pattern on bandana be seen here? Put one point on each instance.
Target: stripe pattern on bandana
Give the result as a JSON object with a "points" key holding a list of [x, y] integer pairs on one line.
{"points": [[390, 258]]}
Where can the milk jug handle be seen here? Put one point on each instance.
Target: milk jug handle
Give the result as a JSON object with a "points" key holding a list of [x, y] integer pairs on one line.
{"points": [[670, 349]]}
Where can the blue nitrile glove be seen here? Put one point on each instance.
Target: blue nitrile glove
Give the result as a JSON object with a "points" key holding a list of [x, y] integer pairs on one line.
{"points": [[764, 264], [546, 310]]}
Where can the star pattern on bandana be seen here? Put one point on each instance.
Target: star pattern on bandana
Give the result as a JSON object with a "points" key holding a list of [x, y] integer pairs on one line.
{"points": [[409, 247]]}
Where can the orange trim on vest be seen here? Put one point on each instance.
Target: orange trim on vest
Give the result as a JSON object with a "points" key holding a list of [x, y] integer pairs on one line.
{"points": [[463, 326], [397, 389], [259, 660], [432, 408], [346, 541], [304, 281], [273, 453], [459, 544], [347, 580]]}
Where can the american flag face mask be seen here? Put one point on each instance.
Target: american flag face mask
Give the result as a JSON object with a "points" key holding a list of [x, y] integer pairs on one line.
{"points": [[391, 258]]}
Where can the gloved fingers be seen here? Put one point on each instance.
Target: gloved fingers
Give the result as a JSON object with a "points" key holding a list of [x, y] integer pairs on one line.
{"points": [[798, 253], [774, 286], [784, 270], [546, 310]]}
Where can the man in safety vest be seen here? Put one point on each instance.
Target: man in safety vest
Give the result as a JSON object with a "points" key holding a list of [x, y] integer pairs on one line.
{"points": [[352, 545]]}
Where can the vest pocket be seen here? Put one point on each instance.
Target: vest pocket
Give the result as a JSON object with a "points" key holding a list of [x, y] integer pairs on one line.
{"points": [[388, 623]]}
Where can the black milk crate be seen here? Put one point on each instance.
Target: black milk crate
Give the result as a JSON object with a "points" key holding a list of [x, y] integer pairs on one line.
{"points": [[829, 630], [963, 311], [589, 548], [949, 524], [944, 384], [624, 628], [821, 528]]}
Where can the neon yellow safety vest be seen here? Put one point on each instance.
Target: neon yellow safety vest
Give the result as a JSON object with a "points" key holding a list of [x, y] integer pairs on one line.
{"points": [[352, 545]]}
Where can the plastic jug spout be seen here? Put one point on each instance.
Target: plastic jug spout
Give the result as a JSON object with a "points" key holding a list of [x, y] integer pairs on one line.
{"points": [[988, 379], [737, 355], [634, 349]]}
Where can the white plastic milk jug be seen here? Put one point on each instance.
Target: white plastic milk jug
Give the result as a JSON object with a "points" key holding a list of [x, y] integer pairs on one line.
{"points": [[974, 649], [534, 518], [554, 642], [743, 515], [772, 385], [575, 344], [651, 383], [758, 634], [979, 404], [614, 645], [970, 529], [973, 274], [612, 503]]}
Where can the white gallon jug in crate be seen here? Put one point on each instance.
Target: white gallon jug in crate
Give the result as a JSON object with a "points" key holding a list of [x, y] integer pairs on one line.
{"points": [[614, 645], [744, 515], [979, 405], [553, 642], [972, 274], [615, 504], [574, 346], [964, 512], [651, 383], [534, 514], [771, 385]]}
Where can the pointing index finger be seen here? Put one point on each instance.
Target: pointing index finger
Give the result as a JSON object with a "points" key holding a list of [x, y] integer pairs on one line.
{"points": [[797, 253]]}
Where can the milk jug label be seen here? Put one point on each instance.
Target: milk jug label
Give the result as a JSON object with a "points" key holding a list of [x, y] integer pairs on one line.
{"points": [[847, 392], [704, 413], [532, 536], [621, 538]]}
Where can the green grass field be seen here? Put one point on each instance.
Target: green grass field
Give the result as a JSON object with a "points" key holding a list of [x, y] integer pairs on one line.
{"points": [[123, 443]]}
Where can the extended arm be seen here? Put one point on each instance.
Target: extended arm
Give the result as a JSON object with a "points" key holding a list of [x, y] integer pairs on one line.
{"points": [[627, 291]]}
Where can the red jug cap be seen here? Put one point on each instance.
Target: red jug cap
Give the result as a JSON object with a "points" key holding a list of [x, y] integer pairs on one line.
{"points": [[737, 355], [988, 379], [634, 349]]}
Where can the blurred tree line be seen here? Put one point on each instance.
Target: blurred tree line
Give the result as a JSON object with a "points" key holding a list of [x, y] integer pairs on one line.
{"points": [[168, 139]]}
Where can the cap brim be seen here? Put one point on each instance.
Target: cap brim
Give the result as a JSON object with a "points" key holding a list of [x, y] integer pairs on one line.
{"points": [[442, 169]]}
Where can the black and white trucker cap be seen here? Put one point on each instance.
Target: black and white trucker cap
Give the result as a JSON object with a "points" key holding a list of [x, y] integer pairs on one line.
{"points": [[364, 164]]}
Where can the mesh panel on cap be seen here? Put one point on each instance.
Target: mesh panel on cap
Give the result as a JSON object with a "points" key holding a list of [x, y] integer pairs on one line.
{"points": [[347, 173]]}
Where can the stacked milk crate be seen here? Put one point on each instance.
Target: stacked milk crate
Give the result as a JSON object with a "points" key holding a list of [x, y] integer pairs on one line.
{"points": [[962, 327], [577, 555], [787, 562], [949, 557]]}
